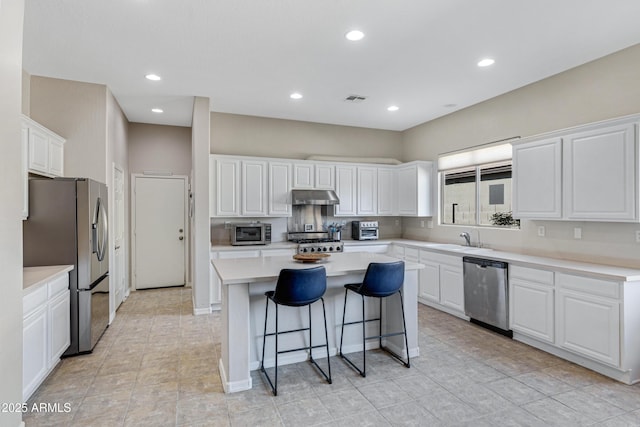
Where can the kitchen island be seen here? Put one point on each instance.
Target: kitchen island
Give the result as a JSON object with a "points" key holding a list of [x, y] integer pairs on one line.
{"points": [[244, 282]]}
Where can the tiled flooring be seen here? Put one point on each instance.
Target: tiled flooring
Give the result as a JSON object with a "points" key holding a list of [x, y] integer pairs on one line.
{"points": [[157, 366]]}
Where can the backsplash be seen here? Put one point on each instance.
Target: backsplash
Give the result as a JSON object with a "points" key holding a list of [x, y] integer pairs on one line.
{"points": [[390, 227]]}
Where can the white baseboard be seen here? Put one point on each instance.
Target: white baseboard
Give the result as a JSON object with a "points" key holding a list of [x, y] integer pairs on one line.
{"points": [[200, 311], [233, 387]]}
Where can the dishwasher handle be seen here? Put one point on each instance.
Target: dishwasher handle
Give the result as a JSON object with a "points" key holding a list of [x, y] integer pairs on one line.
{"points": [[484, 263]]}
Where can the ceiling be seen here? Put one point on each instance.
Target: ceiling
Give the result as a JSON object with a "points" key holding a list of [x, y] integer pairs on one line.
{"points": [[248, 56]]}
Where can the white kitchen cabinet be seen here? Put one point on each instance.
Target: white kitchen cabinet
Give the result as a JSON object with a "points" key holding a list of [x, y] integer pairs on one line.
{"points": [[46, 330], [387, 191], [25, 169], [587, 173], [588, 317], [278, 252], [429, 280], [45, 151], [367, 190], [346, 189], [414, 186], [325, 176], [312, 175], [531, 302], [537, 179], [253, 188], [280, 174], [227, 186], [381, 248], [600, 178], [441, 282]]}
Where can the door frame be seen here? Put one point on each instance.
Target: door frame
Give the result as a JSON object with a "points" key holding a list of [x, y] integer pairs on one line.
{"points": [[134, 177], [124, 248]]}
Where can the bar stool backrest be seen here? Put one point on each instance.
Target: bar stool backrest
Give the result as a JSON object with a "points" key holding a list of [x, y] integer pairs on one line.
{"points": [[298, 287], [382, 279]]}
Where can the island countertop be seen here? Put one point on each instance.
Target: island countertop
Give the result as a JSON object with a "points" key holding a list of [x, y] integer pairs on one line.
{"points": [[251, 270]]}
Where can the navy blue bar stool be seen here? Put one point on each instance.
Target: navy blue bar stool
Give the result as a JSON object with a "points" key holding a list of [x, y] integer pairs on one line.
{"points": [[297, 288], [380, 281]]}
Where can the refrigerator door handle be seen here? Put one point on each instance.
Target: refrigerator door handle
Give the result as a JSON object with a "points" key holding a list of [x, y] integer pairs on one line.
{"points": [[105, 231]]}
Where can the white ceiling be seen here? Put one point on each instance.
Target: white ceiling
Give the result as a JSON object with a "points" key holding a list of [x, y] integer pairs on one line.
{"points": [[247, 56]]}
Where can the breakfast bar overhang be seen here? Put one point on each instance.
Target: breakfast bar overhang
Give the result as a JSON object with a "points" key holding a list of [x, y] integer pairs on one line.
{"points": [[244, 282]]}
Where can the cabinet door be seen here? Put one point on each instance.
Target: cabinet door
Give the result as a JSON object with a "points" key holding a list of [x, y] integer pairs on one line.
{"points": [[346, 190], [531, 309], [278, 252], [279, 189], [38, 150], [325, 177], [429, 281], [408, 191], [600, 174], [56, 157], [254, 188], [367, 191], [35, 351], [589, 325], [60, 324], [537, 179], [227, 187], [451, 287], [386, 192], [303, 175], [25, 170]]}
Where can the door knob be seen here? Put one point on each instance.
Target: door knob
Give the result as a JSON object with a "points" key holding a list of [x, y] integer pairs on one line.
{"points": [[180, 238]]}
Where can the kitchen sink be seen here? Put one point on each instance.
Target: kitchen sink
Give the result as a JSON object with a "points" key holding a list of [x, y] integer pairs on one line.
{"points": [[456, 248]]}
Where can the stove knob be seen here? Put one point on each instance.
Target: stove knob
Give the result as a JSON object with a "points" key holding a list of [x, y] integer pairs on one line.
{"points": [[313, 249], [330, 248], [324, 249], [303, 250]]}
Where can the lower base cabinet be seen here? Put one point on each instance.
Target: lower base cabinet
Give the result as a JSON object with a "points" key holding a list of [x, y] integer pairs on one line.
{"points": [[46, 331], [441, 282], [531, 302], [589, 323]]}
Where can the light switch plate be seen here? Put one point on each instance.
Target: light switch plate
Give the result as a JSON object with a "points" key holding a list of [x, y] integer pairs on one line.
{"points": [[577, 233], [429, 223], [422, 223], [637, 236], [541, 231]]}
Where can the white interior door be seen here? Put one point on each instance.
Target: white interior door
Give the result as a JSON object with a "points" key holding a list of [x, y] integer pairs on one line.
{"points": [[159, 231], [119, 264]]}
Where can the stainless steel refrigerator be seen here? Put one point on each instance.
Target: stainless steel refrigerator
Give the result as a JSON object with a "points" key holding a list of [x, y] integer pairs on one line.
{"points": [[67, 224]]}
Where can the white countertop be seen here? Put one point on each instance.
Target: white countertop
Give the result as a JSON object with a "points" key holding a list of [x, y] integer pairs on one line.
{"points": [[607, 272], [278, 245], [250, 270], [32, 276]]}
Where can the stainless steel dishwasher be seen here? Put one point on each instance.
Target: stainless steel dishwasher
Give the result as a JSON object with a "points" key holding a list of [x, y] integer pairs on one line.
{"points": [[486, 298]]}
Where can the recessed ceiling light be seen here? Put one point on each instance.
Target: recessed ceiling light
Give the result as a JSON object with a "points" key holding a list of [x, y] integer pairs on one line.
{"points": [[486, 62], [153, 77], [354, 35], [295, 95], [157, 110], [393, 108]]}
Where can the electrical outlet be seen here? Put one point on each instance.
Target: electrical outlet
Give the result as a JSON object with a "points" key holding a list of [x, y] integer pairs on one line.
{"points": [[541, 231], [577, 233], [422, 223], [637, 236], [429, 223], [397, 222]]}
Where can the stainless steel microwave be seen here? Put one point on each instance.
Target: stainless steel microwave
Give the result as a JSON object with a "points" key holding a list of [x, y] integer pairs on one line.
{"points": [[255, 233]]}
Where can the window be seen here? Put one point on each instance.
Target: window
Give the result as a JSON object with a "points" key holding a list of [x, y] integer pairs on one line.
{"points": [[476, 187]]}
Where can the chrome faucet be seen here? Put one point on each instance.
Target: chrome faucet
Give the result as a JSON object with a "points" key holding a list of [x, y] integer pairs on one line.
{"points": [[467, 237]]}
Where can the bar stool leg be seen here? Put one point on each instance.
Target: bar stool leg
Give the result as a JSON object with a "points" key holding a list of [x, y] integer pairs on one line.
{"points": [[344, 310], [326, 337], [364, 343], [404, 326], [275, 387]]}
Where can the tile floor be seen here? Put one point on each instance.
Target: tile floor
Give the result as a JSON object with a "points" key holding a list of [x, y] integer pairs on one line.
{"points": [[156, 366]]}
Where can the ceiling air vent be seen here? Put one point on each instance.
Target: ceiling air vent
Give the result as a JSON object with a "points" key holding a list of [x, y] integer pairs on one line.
{"points": [[355, 98]]}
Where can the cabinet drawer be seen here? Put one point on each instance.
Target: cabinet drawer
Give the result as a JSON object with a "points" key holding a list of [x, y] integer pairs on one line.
{"points": [[531, 274], [58, 285], [34, 300], [589, 285], [451, 260]]}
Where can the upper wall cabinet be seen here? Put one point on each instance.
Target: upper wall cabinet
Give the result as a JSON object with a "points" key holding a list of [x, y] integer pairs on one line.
{"points": [[414, 183], [346, 189], [587, 173], [387, 193], [279, 203], [308, 175], [225, 176], [45, 149]]}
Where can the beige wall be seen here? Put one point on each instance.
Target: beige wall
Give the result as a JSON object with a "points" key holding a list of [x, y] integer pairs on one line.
{"points": [[605, 88], [26, 93], [263, 137], [76, 111], [11, 18], [159, 148]]}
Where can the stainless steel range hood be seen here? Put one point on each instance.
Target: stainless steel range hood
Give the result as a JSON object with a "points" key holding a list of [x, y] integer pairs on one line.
{"points": [[314, 197]]}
